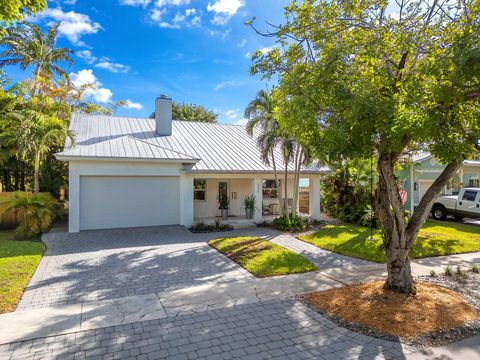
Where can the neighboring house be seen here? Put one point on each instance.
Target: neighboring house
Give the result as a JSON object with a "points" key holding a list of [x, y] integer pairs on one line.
{"points": [[420, 174], [129, 172]]}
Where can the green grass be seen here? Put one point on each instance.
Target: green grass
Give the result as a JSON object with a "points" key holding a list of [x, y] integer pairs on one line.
{"points": [[436, 238], [262, 257], [18, 261]]}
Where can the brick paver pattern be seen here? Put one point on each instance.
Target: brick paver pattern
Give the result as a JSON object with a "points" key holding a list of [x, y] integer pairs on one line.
{"points": [[276, 329], [110, 264]]}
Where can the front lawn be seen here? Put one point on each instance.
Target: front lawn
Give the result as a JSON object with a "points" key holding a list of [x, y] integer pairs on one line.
{"points": [[436, 238], [261, 257], [18, 261]]}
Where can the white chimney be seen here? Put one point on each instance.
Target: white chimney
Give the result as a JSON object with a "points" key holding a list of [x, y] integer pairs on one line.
{"points": [[163, 115]]}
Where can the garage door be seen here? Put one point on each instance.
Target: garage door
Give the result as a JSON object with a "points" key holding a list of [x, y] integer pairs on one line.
{"points": [[108, 202]]}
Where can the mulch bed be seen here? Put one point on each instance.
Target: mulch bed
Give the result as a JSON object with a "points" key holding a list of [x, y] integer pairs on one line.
{"points": [[435, 316]]}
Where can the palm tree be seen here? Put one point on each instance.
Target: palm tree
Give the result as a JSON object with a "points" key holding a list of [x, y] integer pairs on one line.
{"points": [[26, 45], [35, 211], [260, 115], [287, 146], [33, 134]]}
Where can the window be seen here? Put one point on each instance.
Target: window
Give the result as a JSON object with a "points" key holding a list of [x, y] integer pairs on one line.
{"points": [[199, 189], [474, 183], [469, 195], [270, 189]]}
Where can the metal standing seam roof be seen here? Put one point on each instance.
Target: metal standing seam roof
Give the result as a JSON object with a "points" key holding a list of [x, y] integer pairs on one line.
{"points": [[219, 147], [126, 147]]}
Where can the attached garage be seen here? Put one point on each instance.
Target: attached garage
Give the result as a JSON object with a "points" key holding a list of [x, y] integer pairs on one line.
{"points": [[128, 201]]}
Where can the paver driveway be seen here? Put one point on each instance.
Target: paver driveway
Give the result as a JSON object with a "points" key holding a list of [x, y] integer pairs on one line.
{"points": [[109, 264]]}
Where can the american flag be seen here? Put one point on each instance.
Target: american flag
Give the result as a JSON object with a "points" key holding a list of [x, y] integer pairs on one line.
{"points": [[403, 196]]}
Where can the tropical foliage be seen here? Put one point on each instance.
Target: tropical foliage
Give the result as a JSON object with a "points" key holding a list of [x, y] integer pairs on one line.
{"points": [[272, 137], [191, 112], [35, 212], [376, 78], [15, 10], [348, 191]]}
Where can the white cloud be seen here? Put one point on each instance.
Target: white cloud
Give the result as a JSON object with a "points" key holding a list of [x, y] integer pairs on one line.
{"points": [[73, 25], [70, 2], [133, 105], [187, 18], [161, 3], [107, 64], [242, 122], [224, 10], [86, 55], [242, 43], [195, 21], [86, 76], [264, 51], [225, 84], [228, 7], [142, 3]]}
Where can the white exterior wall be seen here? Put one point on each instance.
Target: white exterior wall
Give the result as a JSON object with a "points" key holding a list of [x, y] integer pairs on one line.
{"points": [[243, 185], [126, 168]]}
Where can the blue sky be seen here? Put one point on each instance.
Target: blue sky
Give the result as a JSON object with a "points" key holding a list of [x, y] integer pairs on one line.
{"points": [[194, 51]]}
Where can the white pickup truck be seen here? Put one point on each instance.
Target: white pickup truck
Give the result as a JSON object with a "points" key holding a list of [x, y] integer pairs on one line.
{"points": [[465, 204]]}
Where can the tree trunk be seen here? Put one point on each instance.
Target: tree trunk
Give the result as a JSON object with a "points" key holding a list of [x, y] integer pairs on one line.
{"points": [[277, 184], [285, 193], [398, 236], [36, 174]]}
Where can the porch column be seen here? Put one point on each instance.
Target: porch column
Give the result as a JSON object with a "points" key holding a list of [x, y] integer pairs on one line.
{"points": [[257, 192], [186, 200], [314, 202]]}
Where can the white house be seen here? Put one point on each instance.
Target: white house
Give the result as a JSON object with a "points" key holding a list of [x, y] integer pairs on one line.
{"points": [[130, 172]]}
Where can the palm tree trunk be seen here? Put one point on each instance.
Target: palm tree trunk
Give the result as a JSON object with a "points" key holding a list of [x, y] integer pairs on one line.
{"points": [[285, 199], [298, 163], [36, 174], [275, 175]]}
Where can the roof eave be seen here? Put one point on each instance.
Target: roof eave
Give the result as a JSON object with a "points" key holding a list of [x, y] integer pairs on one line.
{"points": [[63, 157]]}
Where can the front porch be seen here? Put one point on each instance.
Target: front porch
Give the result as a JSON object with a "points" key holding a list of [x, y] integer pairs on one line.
{"points": [[208, 190]]}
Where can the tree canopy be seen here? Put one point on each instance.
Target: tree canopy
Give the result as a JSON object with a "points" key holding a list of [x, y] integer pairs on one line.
{"points": [[191, 112], [15, 10], [381, 79]]}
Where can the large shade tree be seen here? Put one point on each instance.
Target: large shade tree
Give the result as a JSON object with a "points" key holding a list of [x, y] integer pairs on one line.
{"points": [[15, 10], [381, 79]]}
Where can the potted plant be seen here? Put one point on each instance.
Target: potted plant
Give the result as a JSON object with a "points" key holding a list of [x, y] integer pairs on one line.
{"points": [[223, 204], [249, 202]]}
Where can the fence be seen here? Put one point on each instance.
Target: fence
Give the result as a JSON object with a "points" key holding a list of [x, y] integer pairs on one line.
{"points": [[8, 219]]}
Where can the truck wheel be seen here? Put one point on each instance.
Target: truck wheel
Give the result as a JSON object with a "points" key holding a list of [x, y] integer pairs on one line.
{"points": [[439, 212]]}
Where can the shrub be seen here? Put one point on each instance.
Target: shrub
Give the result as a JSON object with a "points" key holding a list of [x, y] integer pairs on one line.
{"points": [[201, 227], [433, 273], [475, 268], [348, 194], [293, 223], [459, 270], [448, 271], [36, 212]]}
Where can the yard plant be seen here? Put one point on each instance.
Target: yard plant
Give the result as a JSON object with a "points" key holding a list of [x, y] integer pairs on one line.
{"points": [[262, 257], [18, 261], [436, 238], [378, 79]]}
